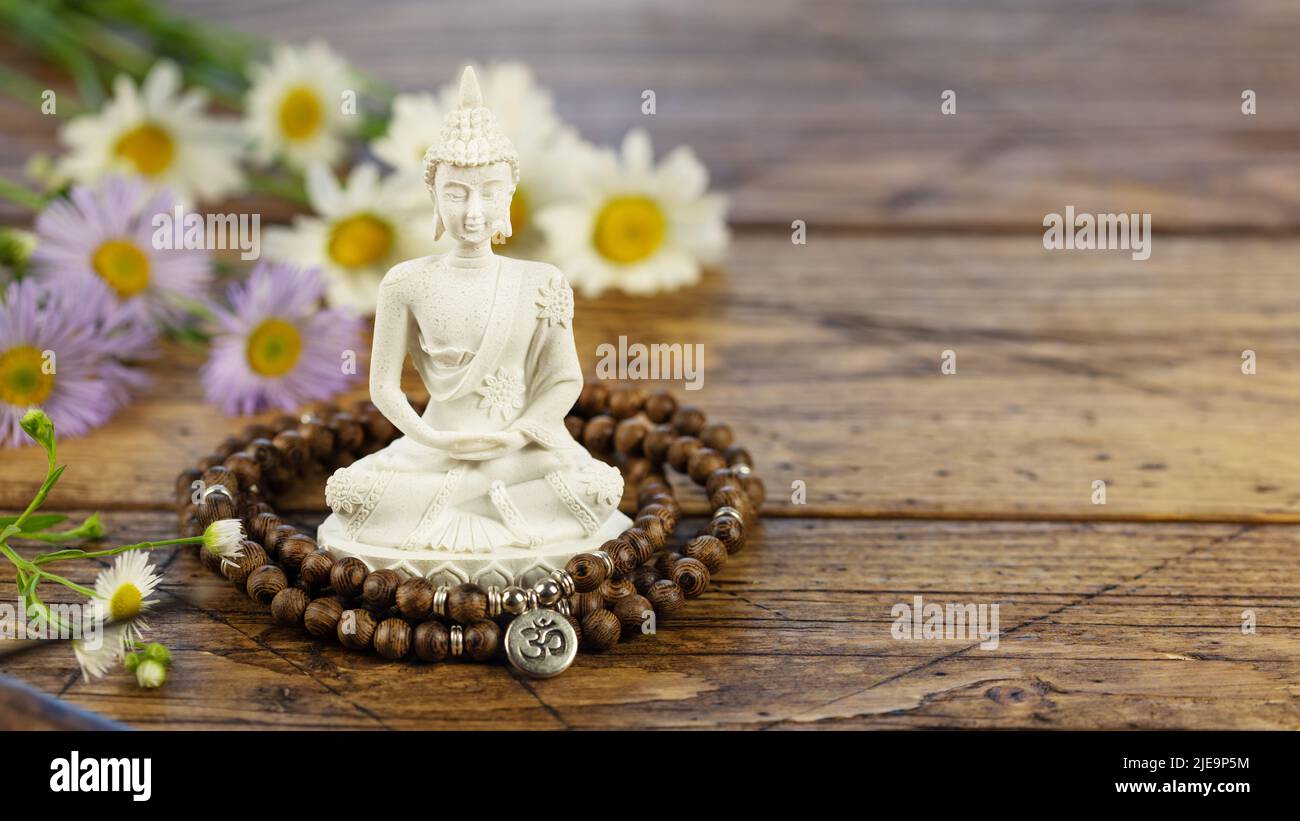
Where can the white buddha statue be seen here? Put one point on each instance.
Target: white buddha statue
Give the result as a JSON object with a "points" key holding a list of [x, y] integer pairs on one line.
{"points": [[486, 485]]}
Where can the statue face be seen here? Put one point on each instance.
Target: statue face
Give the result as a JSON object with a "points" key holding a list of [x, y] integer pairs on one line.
{"points": [[474, 203]]}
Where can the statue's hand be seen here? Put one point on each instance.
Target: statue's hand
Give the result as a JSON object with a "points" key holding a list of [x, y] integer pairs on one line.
{"points": [[478, 447]]}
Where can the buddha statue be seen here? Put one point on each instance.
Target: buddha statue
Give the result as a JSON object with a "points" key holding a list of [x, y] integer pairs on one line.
{"points": [[487, 485]]}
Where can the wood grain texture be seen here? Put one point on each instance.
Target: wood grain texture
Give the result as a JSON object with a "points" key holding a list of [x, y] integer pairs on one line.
{"points": [[828, 110], [1103, 625]]}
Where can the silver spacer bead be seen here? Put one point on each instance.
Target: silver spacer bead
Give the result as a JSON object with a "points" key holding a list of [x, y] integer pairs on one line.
{"points": [[457, 640], [440, 601], [533, 600], [741, 469], [607, 561], [217, 489], [514, 600], [548, 591], [728, 510], [565, 581], [494, 601], [562, 607]]}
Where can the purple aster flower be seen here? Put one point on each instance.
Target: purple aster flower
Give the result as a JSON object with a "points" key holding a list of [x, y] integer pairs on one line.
{"points": [[105, 234], [275, 347], [53, 356]]}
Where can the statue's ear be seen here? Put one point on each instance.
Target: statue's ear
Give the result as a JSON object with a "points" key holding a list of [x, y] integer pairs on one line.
{"points": [[438, 227]]}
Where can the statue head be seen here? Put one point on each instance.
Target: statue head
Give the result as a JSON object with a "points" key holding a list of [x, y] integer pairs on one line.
{"points": [[471, 171]]}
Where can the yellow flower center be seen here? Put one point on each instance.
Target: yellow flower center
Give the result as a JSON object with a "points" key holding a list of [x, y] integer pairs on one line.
{"points": [[629, 229], [274, 347], [122, 265], [148, 147], [126, 603], [360, 240], [23, 380], [301, 113]]}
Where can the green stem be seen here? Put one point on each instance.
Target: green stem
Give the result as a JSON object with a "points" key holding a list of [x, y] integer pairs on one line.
{"points": [[19, 195], [68, 583], [113, 551]]}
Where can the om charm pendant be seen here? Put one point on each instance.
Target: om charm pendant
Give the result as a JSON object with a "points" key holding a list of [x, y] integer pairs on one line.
{"points": [[541, 643]]}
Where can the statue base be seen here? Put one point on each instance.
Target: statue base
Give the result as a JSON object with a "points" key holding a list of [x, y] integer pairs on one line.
{"points": [[502, 566]]}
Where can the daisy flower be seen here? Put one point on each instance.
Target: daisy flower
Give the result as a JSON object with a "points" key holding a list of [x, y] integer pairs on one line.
{"points": [[105, 234], [360, 230], [97, 657], [158, 132], [224, 539], [295, 106], [276, 348], [123, 594], [54, 356], [636, 226]]}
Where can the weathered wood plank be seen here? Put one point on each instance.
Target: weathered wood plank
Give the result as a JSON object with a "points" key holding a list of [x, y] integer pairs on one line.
{"points": [[1102, 626]]}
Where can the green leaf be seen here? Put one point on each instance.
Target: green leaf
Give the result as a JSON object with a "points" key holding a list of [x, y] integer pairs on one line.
{"points": [[34, 523]]}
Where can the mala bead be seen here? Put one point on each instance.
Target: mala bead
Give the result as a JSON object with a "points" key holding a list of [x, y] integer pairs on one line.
{"points": [[662, 512], [628, 435], [626, 402], [378, 428], [315, 569], [653, 528], [692, 576], [380, 589], [216, 505], [718, 436], [289, 605], [679, 452], [348, 433], [689, 420], [356, 628], [393, 639], [657, 441], [666, 561], [631, 612], [209, 460], [588, 571], [189, 521], [481, 639], [754, 489], [736, 455], [574, 424], [262, 526], [702, 462], [614, 589], [636, 469], [467, 603], [293, 449], [347, 576], [319, 439], [322, 616], [623, 555], [264, 453], [718, 478], [576, 624], [220, 475], [660, 407], [593, 399], [432, 641], [731, 496], [600, 630], [643, 577], [729, 530], [185, 486], [252, 557], [415, 598], [588, 602], [709, 551], [666, 597], [265, 582], [281, 532], [293, 549], [641, 544], [598, 435], [282, 423]]}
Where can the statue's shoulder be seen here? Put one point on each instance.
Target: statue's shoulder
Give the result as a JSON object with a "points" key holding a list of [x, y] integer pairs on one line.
{"points": [[538, 275], [403, 271]]}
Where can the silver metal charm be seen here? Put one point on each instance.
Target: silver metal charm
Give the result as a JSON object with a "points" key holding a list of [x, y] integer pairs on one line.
{"points": [[541, 643]]}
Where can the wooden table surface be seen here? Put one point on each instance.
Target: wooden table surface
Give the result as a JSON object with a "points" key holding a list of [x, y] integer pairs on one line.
{"points": [[924, 235]]}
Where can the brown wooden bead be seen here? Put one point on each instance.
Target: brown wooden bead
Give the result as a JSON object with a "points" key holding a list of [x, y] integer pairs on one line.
{"points": [[703, 462], [215, 507], [481, 639], [189, 521], [238, 570], [244, 467], [319, 438], [689, 420], [643, 577], [467, 603], [264, 582], [663, 513], [209, 560], [665, 562], [380, 589], [393, 639], [717, 435], [221, 475], [632, 612], [730, 495], [709, 551], [283, 422], [653, 528], [626, 402], [736, 455], [432, 641], [729, 531], [640, 541], [628, 435], [652, 486], [660, 407], [293, 448], [692, 576], [261, 526], [635, 469], [277, 534], [322, 615], [576, 624], [589, 602], [348, 432], [593, 399], [356, 629], [291, 550], [185, 486], [209, 460], [718, 478], [347, 576], [598, 435], [574, 424], [755, 490], [600, 631], [666, 597], [614, 589], [315, 569], [378, 427], [259, 431], [587, 570], [264, 453], [624, 556], [679, 452], [289, 605], [657, 441], [415, 598]]}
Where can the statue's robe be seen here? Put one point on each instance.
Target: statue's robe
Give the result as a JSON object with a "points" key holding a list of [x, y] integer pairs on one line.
{"points": [[524, 376]]}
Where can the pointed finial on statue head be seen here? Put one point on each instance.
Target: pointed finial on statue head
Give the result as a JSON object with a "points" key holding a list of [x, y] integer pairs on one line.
{"points": [[470, 95]]}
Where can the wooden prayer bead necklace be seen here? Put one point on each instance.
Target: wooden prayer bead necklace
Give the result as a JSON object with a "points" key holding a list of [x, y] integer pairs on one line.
{"points": [[600, 596]]}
